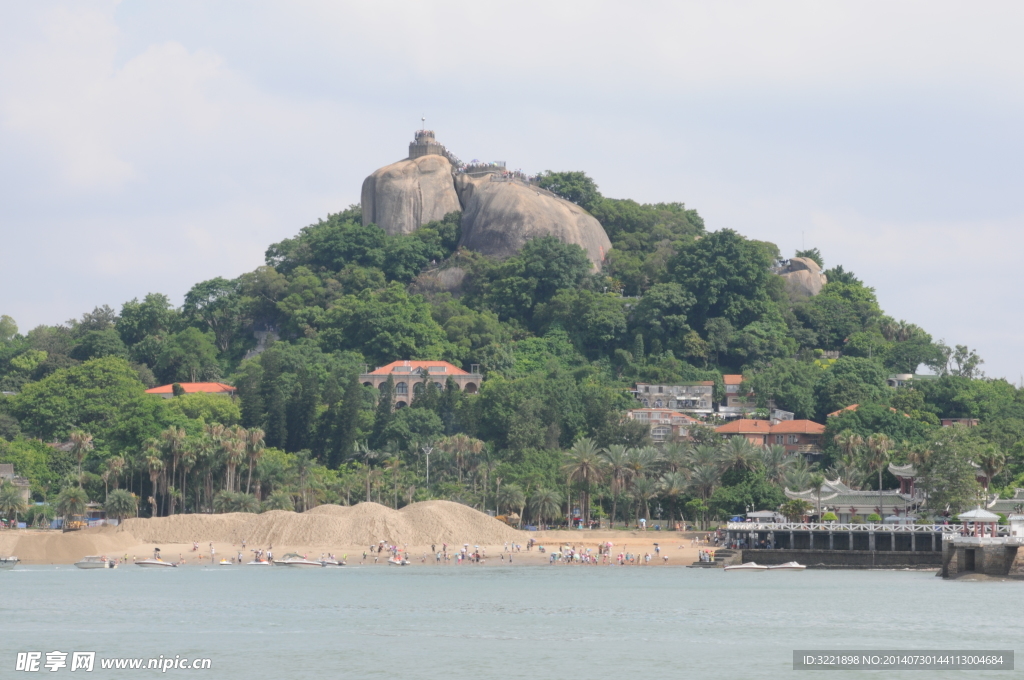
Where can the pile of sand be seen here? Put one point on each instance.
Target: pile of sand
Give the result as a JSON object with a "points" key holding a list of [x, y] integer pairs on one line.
{"points": [[332, 525], [58, 548]]}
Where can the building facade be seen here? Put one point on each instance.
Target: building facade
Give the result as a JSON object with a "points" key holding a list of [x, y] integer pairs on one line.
{"points": [[738, 402], [665, 424], [797, 436], [411, 377], [695, 398]]}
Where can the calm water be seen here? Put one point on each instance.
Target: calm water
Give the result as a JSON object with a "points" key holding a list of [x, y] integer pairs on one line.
{"points": [[493, 622]]}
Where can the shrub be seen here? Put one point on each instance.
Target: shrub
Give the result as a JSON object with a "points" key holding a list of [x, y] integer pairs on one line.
{"points": [[829, 517], [874, 517]]}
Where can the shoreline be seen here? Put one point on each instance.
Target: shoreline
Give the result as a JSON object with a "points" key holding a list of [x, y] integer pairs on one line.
{"points": [[35, 547]]}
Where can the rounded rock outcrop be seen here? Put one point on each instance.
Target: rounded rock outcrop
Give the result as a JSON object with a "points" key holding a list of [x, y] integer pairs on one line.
{"points": [[402, 197], [499, 217], [803, 277]]}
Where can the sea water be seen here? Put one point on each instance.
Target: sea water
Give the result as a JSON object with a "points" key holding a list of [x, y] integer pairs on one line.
{"points": [[496, 622]]}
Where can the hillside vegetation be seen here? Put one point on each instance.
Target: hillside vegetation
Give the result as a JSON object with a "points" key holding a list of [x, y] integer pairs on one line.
{"points": [[559, 345]]}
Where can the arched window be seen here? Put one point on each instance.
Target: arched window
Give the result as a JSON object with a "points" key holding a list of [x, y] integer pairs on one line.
{"points": [[401, 388], [646, 403], [657, 404], [470, 388], [439, 386], [417, 388], [400, 404], [367, 384]]}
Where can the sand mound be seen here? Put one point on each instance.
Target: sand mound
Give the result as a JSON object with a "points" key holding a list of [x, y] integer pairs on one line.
{"points": [[363, 524], [57, 548]]}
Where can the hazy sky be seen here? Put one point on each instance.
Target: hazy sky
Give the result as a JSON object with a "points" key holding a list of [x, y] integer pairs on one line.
{"points": [[146, 146]]}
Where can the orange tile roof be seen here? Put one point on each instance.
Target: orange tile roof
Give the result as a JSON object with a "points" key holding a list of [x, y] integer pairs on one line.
{"points": [[750, 426], [732, 379], [797, 427], [413, 366], [854, 407], [744, 426], [193, 388]]}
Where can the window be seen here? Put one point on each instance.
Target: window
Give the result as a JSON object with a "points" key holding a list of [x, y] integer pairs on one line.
{"points": [[794, 439], [401, 388], [780, 439], [660, 433], [417, 388]]}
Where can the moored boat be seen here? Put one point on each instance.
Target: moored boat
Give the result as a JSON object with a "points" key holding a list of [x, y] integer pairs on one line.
{"points": [[332, 563], [295, 560], [747, 566], [787, 566], [226, 563], [258, 563], [8, 562], [398, 561], [154, 562], [96, 562]]}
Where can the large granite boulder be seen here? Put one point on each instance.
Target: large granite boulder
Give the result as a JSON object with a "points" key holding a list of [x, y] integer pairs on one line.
{"points": [[402, 197], [803, 277], [499, 217]]}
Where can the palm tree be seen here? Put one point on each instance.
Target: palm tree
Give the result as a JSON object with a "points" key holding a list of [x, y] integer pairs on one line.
{"points": [[12, 503], [234, 453], [368, 455], [849, 443], [121, 503], [115, 466], [392, 465], [246, 502], [704, 480], [189, 456], [643, 461], [81, 445], [280, 500], [674, 485], [991, 462], [155, 464], [546, 505], [705, 455], [254, 445], [817, 479], [675, 456], [584, 467], [511, 497], [798, 476], [776, 462], [173, 440], [303, 466], [71, 502], [878, 447], [644, 489], [738, 453], [616, 461]]}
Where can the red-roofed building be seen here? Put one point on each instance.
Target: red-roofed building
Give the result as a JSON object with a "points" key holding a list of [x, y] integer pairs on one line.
{"points": [[410, 376], [665, 424], [167, 391], [798, 436]]}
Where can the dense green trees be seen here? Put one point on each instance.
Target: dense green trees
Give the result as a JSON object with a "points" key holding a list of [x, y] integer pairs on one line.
{"points": [[560, 344]]}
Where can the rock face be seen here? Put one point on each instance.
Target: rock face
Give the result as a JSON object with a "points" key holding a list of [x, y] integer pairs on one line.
{"points": [[803, 277], [499, 217], [402, 197]]}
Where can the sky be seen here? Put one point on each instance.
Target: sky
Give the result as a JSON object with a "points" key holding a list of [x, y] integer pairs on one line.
{"points": [[147, 146]]}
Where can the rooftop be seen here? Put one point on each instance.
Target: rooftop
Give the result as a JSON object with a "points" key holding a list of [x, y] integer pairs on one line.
{"points": [[413, 367], [732, 379], [194, 388], [751, 426]]}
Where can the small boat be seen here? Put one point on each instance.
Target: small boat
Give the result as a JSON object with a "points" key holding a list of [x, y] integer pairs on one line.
{"points": [[398, 561], [8, 562], [332, 563], [154, 562], [96, 562], [295, 560], [258, 563], [788, 566], [226, 563], [747, 566]]}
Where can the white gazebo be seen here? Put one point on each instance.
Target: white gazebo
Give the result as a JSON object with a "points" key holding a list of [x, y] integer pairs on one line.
{"points": [[978, 520]]}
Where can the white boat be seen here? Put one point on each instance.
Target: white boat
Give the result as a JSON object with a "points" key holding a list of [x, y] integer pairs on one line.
{"points": [[96, 562], [295, 560], [747, 566], [258, 563], [788, 566], [8, 562], [226, 563], [333, 563], [154, 562], [398, 561]]}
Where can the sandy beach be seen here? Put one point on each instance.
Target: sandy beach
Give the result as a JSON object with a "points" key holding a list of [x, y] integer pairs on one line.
{"points": [[420, 529]]}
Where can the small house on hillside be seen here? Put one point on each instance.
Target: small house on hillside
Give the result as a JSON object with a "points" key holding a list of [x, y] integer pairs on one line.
{"points": [[665, 424], [797, 436]]}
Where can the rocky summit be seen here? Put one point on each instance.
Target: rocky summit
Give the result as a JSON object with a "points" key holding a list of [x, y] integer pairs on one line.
{"points": [[501, 210]]}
